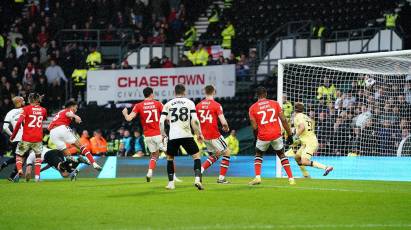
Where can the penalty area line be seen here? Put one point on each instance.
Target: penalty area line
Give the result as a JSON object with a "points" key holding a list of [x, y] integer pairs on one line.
{"points": [[297, 187], [295, 226]]}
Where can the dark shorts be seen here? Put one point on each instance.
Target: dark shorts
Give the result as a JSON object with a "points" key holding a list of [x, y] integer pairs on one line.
{"points": [[188, 144], [53, 158]]}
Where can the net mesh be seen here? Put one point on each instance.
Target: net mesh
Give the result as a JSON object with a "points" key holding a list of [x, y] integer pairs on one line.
{"points": [[360, 106]]}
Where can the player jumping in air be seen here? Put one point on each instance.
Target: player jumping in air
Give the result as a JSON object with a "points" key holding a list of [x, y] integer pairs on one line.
{"points": [[149, 111], [265, 116], [209, 112], [61, 134], [181, 113], [32, 116], [304, 135], [9, 125]]}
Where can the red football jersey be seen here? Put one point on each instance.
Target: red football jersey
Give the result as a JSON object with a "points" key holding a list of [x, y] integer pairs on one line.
{"points": [[60, 119], [265, 112], [33, 123], [207, 112], [149, 111]]}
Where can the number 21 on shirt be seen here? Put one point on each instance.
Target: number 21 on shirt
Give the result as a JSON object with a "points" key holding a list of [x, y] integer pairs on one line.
{"points": [[152, 116]]}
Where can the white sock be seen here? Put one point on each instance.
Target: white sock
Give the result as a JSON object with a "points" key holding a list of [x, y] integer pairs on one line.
{"points": [[150, 172], [221, 177], [258, 177], [197, 179], [202, 170]]}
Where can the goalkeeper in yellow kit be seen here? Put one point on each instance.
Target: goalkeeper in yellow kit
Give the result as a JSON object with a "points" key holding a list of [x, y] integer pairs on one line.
{"points": [[305, 136]]}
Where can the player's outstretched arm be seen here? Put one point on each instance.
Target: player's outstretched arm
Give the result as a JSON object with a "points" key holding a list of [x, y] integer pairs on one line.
{"points": [[195, 123], [18, 126], [6, 128], [127, 116], [76, 118], [163, 118], [224, 123], [287, 128]]}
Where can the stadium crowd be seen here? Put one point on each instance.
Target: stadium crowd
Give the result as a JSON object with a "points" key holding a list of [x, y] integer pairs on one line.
{"points": [[368, 116]]}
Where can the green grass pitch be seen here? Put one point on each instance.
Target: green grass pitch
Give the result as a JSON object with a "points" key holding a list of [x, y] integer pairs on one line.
{"points": [[134, 204]]}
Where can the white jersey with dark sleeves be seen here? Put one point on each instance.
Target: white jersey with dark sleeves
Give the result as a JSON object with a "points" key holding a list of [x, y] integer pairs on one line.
{"points": [[10, 123], [180, 112]]}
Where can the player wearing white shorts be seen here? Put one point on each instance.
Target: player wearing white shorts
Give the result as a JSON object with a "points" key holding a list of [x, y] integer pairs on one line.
{"points": [[209, 112], [9, 125], [181, 113], [61, 134], [149, 111]]}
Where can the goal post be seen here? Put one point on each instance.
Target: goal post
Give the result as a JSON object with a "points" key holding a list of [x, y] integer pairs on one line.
{"points": [[361, 105]]}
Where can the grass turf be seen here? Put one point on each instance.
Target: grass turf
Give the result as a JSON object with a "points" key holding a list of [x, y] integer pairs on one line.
{"points": [[134, 204]]}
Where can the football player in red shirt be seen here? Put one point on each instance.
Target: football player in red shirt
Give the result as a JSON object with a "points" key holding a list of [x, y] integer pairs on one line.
{"points": [[265, 116], [32, 116], [61, 134], [149, 111], [209, 112]]}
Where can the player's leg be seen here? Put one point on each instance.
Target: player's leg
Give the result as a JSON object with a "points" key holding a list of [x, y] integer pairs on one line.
{"points": [[192, 149], [222, 146], [278, 147], [214, 154], [37, 149], [153, 145], [306, 156], [297, 159], [70, 138], [172, 150], [260, 148], [30, 161], [22, 147]]}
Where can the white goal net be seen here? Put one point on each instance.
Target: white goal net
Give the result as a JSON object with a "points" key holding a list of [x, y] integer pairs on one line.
{"points": [[361, 104]]}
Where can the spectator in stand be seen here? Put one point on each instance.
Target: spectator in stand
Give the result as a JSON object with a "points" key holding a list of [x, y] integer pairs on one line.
{"points": [[55, 76], [113, 144], [98, 144], [24, 58], [211, 61], [242, 69], [28, 78], [326, 92], [85, 139], [190, 36], [138, 144], [128, 148], [184, 62], [166, 62], [19, 47], [232, 59], [43, 36], [233, 143], [349, 100], [79, 81], [287, 107], [155, 63], [227, 35], [93, 59], [362, 119], [192, 55], [126, 65], [202, 56]]}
